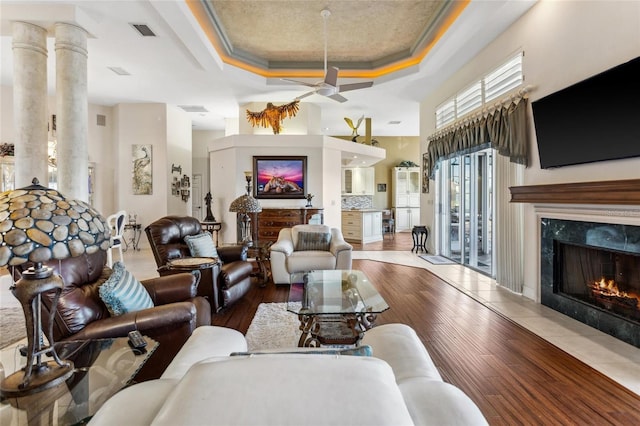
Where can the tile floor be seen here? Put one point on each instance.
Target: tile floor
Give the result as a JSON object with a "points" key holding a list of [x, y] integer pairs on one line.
{"points": [[612, 357]]}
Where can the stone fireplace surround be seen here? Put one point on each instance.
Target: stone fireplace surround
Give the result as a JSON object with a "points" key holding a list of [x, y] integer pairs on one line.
{"points": [[603, 202], [618, 238]]}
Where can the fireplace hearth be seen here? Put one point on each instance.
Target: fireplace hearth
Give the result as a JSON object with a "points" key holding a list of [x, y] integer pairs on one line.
{"points": [[590, 271]]}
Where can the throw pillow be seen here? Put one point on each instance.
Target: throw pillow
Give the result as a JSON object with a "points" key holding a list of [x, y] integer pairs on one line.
{"points": [[201, 245], [313, 241], [123, 293]]}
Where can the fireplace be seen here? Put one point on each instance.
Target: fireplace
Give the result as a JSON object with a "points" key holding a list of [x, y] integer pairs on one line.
{"points": [[590, 271]]}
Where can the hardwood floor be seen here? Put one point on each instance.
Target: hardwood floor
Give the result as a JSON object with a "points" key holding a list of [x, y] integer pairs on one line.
{"points": [[514, 376]]}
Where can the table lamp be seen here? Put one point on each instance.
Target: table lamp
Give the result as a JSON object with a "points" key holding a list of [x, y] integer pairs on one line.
{"points": [[37, 225], [244, 205]]}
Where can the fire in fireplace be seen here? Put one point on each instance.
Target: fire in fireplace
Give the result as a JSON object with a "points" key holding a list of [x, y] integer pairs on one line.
{"points": [[605, 278], [591, 272]]}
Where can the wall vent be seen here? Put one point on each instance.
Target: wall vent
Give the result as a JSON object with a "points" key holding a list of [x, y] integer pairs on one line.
{"points": [[193, 108], [101, 120], [144, 30], [395, 122], [119, 71]]}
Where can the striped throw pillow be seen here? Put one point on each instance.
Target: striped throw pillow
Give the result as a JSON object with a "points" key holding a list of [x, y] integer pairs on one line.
{"points": [[313, 241], [201, 245], [123, 293]]}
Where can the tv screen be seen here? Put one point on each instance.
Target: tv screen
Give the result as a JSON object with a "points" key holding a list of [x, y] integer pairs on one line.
{"points": [[594, 120]]}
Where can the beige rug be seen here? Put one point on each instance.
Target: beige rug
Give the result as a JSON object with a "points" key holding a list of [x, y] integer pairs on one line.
{"points": [[12, 326], [273, 327]]}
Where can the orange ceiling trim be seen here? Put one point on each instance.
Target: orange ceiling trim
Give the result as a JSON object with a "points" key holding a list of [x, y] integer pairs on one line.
{"points": [[200, 14]]}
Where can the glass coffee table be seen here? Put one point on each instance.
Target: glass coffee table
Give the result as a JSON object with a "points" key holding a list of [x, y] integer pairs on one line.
{"points": [[335, 307], [102, 367]]}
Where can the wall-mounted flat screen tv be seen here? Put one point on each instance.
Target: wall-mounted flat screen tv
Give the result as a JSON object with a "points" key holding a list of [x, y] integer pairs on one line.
{"points": [[594, 120]]}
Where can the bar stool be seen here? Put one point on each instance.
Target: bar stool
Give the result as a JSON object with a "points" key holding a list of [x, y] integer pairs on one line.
{"points": [[420, 234]]}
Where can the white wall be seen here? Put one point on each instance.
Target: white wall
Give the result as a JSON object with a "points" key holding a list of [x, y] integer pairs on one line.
{"points": [[564, 42], [166, 130], [200, 155]]}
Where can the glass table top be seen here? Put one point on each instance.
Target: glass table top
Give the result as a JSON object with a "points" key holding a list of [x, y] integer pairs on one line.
{"points": [[102, 367], [333, 292]]}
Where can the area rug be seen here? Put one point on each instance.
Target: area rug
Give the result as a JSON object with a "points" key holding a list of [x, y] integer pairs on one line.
{"points": [[12, 326], [273, 327], [437, 260]]}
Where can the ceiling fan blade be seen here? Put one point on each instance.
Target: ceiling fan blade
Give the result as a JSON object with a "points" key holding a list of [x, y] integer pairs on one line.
{"points": [[354, 86], [299, 82], [305, 95], [332, 76], [337, 97]]}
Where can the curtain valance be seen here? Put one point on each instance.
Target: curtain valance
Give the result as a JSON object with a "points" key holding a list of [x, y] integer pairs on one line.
{"points": [[503, 127]]}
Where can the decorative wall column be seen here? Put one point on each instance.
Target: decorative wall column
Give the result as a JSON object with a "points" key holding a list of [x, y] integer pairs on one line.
{"points": [[30, 104], [72, 111]]}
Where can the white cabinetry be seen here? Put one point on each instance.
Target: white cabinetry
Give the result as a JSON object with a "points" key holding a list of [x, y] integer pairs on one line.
{"points": [[362, 226], [358, 181], [406, 197], [406, 218]]}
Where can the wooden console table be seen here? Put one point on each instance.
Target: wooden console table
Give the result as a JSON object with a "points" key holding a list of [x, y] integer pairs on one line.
{"points": [[266, 225]]}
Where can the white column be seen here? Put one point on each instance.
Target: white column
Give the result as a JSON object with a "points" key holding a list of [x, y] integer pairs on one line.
{"points": [[30, 102], [72, 111]]}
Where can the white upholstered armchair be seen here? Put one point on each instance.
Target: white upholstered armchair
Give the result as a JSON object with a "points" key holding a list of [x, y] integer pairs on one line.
{"points": [[308, 248]]}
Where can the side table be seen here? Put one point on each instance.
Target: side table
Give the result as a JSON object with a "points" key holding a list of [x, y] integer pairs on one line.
{"points": [[102, 367], [260, 252], [420, 234], [134, 239], [213, 228]]}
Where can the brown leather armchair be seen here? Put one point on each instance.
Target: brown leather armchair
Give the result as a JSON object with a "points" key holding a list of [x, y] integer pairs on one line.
{"points": [[221, 283], [81, 314]]}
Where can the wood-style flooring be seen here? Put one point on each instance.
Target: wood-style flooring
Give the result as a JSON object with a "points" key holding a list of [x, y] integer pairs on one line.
{"points": [[514, 376]]}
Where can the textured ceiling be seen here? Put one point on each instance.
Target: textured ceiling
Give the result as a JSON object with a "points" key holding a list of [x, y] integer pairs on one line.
{"points": [[360, 34]]}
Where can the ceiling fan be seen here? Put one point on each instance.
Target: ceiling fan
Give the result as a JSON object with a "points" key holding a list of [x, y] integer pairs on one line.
{"points": [[329, 86]]}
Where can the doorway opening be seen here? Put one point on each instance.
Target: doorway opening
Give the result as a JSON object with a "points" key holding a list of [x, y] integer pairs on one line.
{"points": [[465, 197]]}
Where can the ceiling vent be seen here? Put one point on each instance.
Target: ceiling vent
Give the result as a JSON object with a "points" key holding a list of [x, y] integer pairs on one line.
{"points": [[144, 30], [193, 108], [119, 71], [395, 122]]}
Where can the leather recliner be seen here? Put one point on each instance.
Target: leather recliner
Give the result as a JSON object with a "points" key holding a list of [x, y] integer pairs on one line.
{"points": [[222, 284], [81, 314]]}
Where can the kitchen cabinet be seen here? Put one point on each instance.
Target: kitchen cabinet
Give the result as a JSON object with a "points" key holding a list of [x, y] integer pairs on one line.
{"points": [[406, 218], [363, 226], [358, 180], [406, 197], [406, 187]]}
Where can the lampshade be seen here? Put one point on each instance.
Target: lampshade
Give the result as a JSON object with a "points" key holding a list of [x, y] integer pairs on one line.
{"points": [[245, 204], [38, 224]]}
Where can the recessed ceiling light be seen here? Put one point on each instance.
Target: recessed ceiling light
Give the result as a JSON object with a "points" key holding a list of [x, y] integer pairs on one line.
{"points": [[119, 71]]}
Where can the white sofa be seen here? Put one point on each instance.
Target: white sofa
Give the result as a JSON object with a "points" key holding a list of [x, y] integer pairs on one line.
{"points": [[398, 385], [290, 254]]}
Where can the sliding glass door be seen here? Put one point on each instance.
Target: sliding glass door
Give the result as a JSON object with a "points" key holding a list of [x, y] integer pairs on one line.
{"points": [[465, 195]]}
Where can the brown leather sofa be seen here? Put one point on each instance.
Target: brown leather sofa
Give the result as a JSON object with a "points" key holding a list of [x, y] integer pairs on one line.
{"points": [[81, 314], [222, 283]]}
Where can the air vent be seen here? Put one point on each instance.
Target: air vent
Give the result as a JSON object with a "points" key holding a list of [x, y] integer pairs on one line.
{"points": [[395, 122], [144, 30], [193, 108], [101, 120], [119, 71]]}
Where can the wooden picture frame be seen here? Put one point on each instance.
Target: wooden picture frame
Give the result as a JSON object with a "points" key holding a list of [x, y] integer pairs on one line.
{"points": [[280, 177], [426, 166]]}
